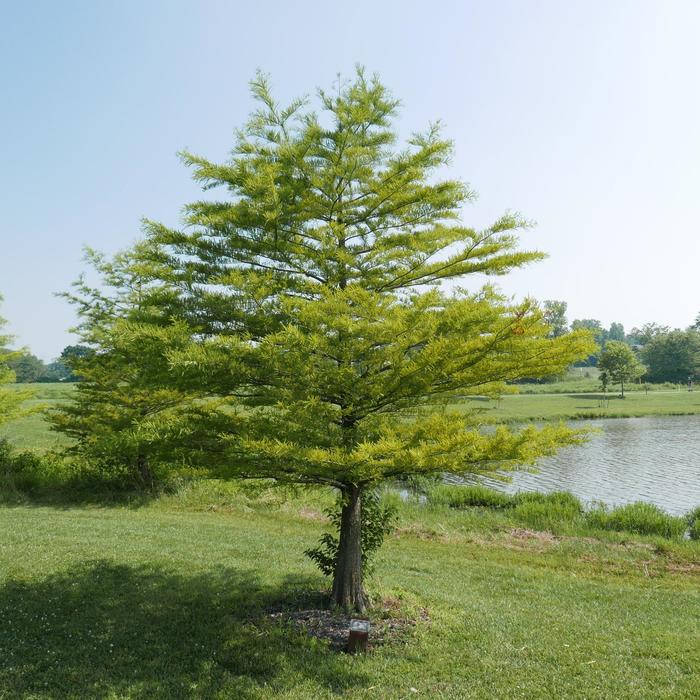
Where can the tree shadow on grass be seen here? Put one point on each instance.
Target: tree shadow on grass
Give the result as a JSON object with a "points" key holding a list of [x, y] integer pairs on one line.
{"points": [[107, 630], [597, 397]]}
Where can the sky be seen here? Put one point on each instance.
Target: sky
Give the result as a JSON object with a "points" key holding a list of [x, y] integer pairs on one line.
{"points": [[583, 116]]}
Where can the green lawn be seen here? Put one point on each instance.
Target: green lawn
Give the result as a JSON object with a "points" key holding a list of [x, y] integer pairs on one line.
{"points": [[519, 407], [32, 432], [168, 602]]}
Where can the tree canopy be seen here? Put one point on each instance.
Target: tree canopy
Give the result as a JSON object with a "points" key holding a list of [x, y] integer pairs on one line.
{"points": [[300, 328], [673, 356], [555, 316], [620, 364]]}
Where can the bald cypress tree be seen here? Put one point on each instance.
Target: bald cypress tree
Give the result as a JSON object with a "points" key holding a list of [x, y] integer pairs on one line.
{"points": [[324, 336]]}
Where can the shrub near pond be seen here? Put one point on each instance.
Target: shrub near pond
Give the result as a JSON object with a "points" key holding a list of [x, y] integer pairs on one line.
{"points": [[641, 518]]}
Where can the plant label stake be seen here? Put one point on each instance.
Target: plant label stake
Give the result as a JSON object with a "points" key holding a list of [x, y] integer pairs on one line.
{"points": [[358, 635]]}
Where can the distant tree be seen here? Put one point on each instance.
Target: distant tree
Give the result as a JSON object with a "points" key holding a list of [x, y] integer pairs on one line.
{"points": [[307, 309], [619, 364], [616, 332], [641, 336], [599, 335], [673, 357], [28, 368], [555, 317], [61, 369], [55, 371], [696, 323], [11, 400]]}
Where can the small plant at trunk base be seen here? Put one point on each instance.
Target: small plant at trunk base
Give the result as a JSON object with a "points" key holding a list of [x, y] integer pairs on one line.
{"points": [[378, 520]]}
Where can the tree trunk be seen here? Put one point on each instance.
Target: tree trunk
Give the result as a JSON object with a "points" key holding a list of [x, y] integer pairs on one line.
{"points": [[622, 388], [144, 470], [348, 591]]}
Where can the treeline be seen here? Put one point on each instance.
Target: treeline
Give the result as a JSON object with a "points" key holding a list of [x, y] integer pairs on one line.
{"points": [[28, 368], [669, 355]]}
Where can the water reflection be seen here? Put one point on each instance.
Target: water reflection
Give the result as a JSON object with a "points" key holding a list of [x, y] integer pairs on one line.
{"points": [[654, 459]]}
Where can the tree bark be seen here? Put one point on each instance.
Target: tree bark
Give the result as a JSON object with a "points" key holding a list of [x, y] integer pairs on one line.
{"points": [[144, 471], [348, 591]]}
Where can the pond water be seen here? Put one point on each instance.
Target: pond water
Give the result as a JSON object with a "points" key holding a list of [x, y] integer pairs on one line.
{"points": [[654, 459]]}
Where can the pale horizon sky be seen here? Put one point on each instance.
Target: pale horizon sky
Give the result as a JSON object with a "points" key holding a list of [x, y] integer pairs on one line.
{"points": [[583, 116]]}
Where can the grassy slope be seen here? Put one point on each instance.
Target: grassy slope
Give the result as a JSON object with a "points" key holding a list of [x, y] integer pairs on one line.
{"points": [[165, 602]]}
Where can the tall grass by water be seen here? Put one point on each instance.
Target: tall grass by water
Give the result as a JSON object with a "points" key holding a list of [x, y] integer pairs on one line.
{"points": [[563, 512]]}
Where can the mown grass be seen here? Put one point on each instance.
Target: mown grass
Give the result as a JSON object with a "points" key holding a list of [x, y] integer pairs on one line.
{"points": [[169, 600], [32, 432], [533, 407]]}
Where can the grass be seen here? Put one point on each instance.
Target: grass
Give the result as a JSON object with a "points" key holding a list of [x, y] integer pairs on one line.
{"points": [[533, 407], [32, 432], [640, 517], [168, 600], [561, 512]]}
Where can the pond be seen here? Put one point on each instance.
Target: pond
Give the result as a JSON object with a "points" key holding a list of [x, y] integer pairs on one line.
{"points": [[654, 459]]}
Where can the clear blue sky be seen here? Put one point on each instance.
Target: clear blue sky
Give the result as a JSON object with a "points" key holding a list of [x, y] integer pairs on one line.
{"points": [[582, 115]]}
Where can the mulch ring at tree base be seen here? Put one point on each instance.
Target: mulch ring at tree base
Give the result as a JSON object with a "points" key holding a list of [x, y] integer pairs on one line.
{"points": [[333, 627]]}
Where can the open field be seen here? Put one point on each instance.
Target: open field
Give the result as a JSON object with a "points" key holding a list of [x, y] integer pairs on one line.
{"points": [[170, 600], [523, 407], [32, 432]]}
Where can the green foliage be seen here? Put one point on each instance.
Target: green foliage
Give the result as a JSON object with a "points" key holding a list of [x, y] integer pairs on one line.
{"points": [[54, 476], [122, 389], [16, 470], [593, 326], [11, 400], [539, 510], [693, 520], [555, 316], [547, 511], [643, 335], [69, 359], [616, 332], [299, 328], [305, 312], [619, 363], [562, 511], [640, 517], [378, 520], [468, 496], [673, 356], [27, 367]]}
